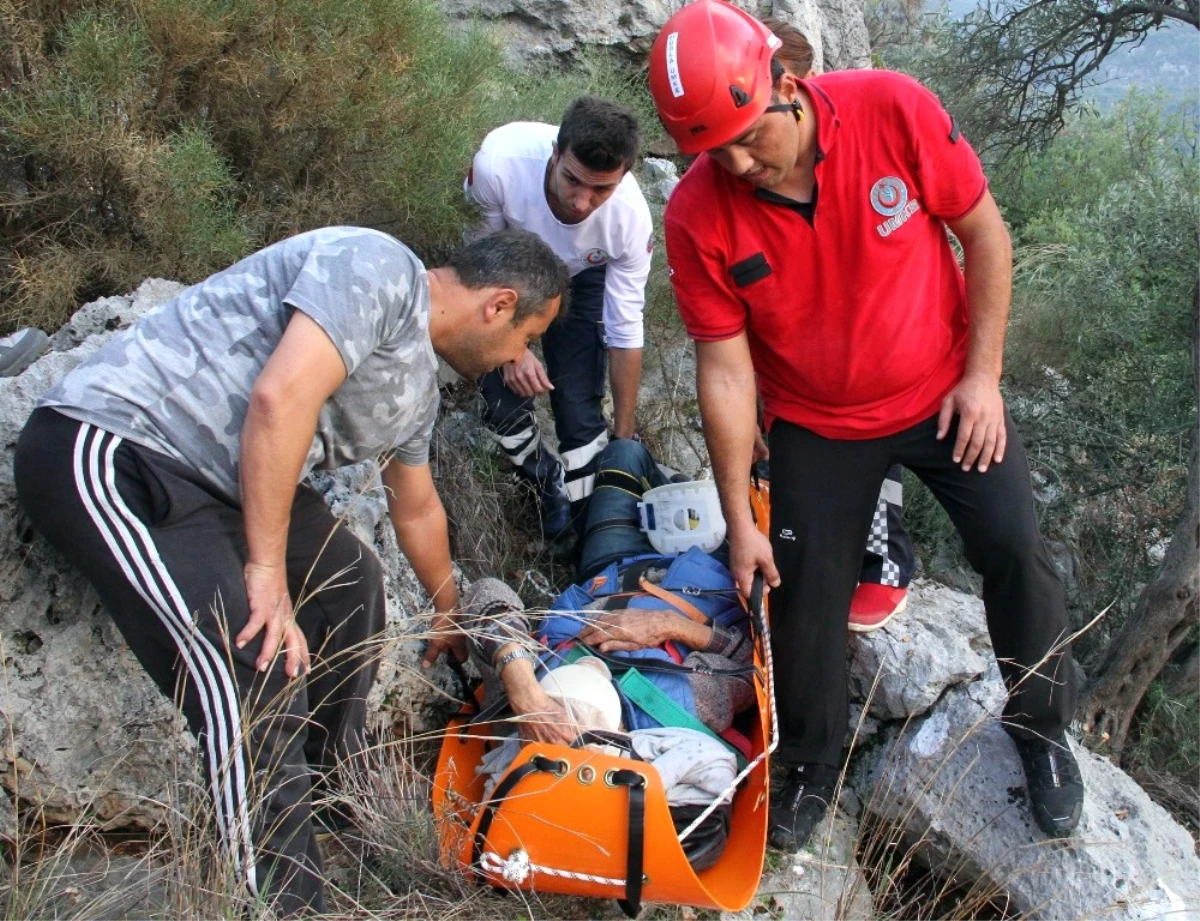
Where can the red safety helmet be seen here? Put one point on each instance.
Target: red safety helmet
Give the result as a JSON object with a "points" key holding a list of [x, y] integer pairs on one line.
{"points": [[710, 74]]}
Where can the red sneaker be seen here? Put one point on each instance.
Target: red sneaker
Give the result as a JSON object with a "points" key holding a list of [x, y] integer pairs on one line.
{"points": [[873, 605]]}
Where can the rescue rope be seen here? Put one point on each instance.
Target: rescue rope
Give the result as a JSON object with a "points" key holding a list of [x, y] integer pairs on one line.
{"points": [[518, 867], [764, 636]]}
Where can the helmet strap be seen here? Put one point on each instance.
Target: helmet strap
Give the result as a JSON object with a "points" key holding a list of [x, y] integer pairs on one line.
{"points": [[795, 107]]}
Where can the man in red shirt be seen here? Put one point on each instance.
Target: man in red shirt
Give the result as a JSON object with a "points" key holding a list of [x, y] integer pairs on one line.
{"points": [[807, 247]]}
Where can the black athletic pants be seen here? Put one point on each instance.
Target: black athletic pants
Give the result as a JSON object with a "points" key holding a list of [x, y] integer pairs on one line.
{"points": [[165, 553], [889, 559], [823, 494], [576, 362]]}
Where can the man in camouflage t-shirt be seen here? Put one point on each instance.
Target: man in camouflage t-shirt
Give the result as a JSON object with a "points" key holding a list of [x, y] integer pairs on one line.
{"points": [[167, 468]]}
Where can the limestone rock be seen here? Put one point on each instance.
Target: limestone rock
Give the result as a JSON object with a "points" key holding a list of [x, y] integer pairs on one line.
{"points": [[938, 641], [112, 313], [540, 30], [836, 29], [954, 782], [8, 821], [89, 730], [659, 177]]}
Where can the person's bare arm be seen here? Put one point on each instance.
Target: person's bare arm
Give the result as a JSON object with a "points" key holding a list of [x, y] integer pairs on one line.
{"points": [[539, 717], [423, 534], [287, 397], [726, 388], [976, 399], [643, 628], [625, 376]]}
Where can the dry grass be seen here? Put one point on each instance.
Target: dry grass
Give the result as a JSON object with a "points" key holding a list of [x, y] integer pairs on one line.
{"points": [[495, 529]]}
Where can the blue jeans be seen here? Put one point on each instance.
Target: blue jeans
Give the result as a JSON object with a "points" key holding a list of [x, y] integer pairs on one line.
{"points": [[624, 471]]}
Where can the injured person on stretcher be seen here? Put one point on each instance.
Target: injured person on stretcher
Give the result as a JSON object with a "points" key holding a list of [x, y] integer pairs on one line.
{"points": [[653, 646]]}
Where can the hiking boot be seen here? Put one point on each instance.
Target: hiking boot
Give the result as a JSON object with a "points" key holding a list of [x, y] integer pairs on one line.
{"points": [[873, 605], [1053, 783], [20, 350], [798, 803]]}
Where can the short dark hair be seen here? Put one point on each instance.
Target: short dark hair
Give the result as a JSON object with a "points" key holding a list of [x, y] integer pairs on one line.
{"points": [[519, 260], [602, 135]]}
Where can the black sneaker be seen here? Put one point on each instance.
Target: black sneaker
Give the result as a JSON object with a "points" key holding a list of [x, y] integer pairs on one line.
{"points": [[1053, 783], [799, 798]]}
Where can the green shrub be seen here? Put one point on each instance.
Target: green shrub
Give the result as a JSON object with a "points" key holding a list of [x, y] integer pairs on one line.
{"points": [[1101, 338], [171, 137]]}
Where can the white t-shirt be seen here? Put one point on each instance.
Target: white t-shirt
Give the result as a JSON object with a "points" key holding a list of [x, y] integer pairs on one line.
{"points": [[507, 182]]}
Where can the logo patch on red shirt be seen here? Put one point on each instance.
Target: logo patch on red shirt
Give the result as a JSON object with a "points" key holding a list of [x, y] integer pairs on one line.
{"points": [[889, 196]]}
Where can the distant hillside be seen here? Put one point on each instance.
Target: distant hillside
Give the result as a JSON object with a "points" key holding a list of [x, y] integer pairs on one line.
{"points": [[1168, 60]]}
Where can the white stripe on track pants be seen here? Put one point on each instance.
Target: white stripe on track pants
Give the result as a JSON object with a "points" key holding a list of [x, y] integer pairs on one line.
{"points": [[165, 553]]}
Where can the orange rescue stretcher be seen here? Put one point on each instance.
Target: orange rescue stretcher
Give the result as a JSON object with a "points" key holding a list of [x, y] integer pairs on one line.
{"points": [[578, 821]]}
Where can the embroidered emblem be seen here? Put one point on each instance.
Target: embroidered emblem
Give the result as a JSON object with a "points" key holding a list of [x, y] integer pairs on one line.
{"points": [[596, 257], [889, 196]]}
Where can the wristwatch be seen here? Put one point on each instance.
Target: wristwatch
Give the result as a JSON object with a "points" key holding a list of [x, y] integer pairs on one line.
{"points": [[512, 656]]}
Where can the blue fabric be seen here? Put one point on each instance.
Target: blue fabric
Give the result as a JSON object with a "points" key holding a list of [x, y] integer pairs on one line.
{"points": [[695, 576], [605, 541]]}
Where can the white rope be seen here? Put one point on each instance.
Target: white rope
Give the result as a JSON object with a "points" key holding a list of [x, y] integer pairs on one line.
{"points": [[517, 869], [773, 742]]}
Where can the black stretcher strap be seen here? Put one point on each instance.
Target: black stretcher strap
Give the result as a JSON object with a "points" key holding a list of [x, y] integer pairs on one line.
{"points": [[635, 855], [620, 666], [533, 765]]}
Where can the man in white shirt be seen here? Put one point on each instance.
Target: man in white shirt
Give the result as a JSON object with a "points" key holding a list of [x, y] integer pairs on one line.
{"points": [[572, 186]]}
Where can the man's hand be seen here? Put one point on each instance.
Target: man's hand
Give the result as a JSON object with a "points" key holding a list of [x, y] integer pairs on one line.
{"points": [[982, 436], [444, 636], [639, 628], [750, 552], [527, 377], [540, 718], [271, 607]]}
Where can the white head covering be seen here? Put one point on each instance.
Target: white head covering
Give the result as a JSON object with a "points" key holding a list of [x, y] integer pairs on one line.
{"points": [[585, 690]]}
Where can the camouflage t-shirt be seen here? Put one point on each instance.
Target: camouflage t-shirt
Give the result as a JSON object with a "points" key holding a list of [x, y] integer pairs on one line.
{"points": [[178, 381]]}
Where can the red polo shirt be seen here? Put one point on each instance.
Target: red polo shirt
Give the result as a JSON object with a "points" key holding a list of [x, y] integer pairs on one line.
{"points": [[857, 322]]}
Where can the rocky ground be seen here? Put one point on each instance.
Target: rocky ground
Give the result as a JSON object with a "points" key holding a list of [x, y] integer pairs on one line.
{"points": [[934, 782]]}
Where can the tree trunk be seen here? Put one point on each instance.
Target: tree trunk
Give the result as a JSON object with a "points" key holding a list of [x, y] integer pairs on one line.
{"points": [[1160, 622]]}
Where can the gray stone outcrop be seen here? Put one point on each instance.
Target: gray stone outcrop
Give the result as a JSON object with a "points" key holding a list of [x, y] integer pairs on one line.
{"points": [[85, 730], [933, 770], [541, 30], [836, 29], [938, 768]]}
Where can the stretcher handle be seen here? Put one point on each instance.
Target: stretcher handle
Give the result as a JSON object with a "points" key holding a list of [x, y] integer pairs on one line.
{"points": [[756, 595]]}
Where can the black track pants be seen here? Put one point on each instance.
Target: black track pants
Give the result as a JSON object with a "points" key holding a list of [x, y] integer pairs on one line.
{"points": [[889, 559], [823, 495], [165, 553], [576, 363]]}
